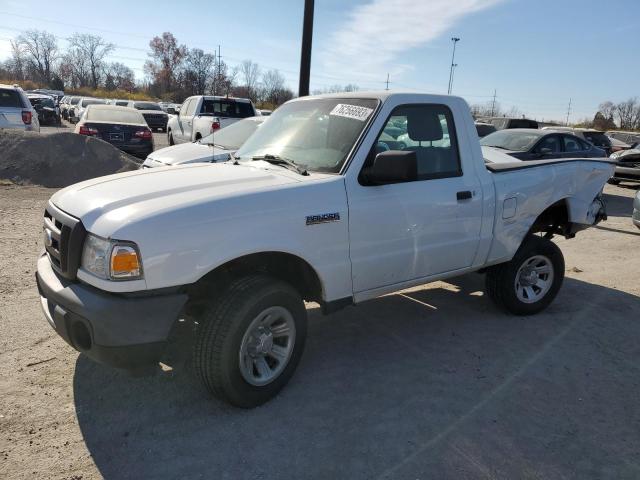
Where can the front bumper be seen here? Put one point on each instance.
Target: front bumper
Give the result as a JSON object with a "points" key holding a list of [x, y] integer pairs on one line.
{"points": [[116, 330]]}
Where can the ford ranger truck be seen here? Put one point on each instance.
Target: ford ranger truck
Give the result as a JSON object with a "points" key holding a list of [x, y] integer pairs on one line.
{"points": [[322, 204]]}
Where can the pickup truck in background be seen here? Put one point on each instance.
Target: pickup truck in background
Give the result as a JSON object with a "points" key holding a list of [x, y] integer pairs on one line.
{"points": [[315, 206], [201, 115]]}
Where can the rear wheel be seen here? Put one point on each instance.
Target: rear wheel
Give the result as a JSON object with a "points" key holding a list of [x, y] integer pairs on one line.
{"points": [[530, 281], [250, 341]]}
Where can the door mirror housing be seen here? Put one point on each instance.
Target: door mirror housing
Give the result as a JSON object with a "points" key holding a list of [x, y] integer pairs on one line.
{"points": [[392, 166], [172, 111]]}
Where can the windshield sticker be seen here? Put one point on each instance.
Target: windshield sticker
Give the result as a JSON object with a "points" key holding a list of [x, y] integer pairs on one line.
{"points": [[351, 111]]}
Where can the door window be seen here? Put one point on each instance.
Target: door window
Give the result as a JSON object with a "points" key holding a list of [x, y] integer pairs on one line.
{"points": [[551, 142], [571, 144], [427, 130], [185, 106]]}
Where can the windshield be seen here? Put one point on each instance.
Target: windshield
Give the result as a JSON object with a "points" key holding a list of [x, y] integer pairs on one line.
{"points": [[146, 106], [115, 115], [316, 134], [510, 140], [233, 136]]}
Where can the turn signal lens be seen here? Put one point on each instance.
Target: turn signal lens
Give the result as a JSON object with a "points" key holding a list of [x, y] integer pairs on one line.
{"points": [[124, 262]]}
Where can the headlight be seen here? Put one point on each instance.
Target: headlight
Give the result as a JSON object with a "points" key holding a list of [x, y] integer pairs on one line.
{"points": [[111, 259]]}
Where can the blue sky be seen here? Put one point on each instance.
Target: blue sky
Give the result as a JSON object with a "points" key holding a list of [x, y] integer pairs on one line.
{"points": [[535, 54]]}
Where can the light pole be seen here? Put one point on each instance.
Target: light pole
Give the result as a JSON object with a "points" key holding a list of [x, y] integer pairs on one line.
{"points": [[453, 57]]}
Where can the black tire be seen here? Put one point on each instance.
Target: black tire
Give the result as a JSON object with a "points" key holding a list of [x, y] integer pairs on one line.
{"points": [[170, 139], [223, 325], [613, 181], [500, 281]]}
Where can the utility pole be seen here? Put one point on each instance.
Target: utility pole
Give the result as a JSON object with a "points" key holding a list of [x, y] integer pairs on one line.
{"points": [[493, 104], [305, 54], [568, 113], [387, 82], [453, 56]]}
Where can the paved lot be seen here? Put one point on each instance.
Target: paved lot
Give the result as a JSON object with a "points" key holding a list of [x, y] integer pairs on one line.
{"points": [[433, 383], [159, 139]]}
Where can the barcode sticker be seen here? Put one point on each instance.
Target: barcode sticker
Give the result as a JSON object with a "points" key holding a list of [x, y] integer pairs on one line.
{"points": [[351, 111]]}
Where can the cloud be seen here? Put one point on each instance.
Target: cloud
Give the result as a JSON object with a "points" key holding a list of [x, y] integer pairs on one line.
{"points": [[375, 33]]}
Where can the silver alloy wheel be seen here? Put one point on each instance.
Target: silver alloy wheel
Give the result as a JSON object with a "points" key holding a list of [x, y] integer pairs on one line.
{"points": [[534, 279], [267, 346]]}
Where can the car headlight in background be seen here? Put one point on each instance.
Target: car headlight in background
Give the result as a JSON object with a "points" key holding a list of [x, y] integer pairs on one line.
{"points": [[111, 259]]}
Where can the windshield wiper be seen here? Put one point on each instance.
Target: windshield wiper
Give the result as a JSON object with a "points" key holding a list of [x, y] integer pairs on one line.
{"points": [[284, 162]]}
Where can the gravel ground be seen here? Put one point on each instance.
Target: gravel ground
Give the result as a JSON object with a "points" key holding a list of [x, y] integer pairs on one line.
{"points": [[159, 139], [429, 383]]}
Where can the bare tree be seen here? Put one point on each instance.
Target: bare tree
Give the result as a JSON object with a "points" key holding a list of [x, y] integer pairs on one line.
{"points": [[272, 86], [167, 57], [16, 64], [626, 112], [222, 81], [250, 73], [119, 77], [199, 67], [40, 50], [93, 49]]}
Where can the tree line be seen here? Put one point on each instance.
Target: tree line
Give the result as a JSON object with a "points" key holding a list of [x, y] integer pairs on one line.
{"points": [[172, 71]]}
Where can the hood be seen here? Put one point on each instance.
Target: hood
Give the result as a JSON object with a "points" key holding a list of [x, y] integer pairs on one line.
{"points": [[626, 155], [108, 204], [189, 153]]}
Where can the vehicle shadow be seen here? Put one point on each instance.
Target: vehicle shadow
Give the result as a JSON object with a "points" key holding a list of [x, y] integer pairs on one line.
{"points": [[433, 382]]}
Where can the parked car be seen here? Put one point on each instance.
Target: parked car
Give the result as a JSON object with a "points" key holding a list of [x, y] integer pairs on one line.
{"points": [[45, 105], [630, 138], [122, 127], [530, 144], [16, 112], [617, 145], [310, 212], [628, 167], [484, 129], [67, 109], [201, 115], [216, 147], [152, 113], [503, 123], [636, 210], [595, 137], [77, 111]]}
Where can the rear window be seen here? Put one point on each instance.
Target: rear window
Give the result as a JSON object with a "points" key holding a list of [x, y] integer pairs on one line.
{"points": [[511, 140], [45, 102], [146, 106], [122, 103], [115, 115], [522, 123], [74, 100], [92, 101], [484, 130], [227, 108], [599, 139], [10, 98]]}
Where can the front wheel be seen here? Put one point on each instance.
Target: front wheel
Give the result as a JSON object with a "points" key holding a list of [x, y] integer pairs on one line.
{"points": [[530, 281], [250, 340]]}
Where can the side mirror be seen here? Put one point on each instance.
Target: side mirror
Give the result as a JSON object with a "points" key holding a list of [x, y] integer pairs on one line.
{"points": [[392, 166], [171, 111]]}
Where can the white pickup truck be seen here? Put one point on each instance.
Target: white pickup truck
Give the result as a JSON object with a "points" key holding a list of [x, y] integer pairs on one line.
{"points": [[318, 205], [200, 116]]}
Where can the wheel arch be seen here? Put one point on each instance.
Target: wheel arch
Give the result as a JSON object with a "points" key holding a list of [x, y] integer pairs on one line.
{"points": [[285, 266], [555, 219]]}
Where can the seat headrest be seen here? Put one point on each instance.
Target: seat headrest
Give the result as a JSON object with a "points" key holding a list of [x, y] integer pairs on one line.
{"points": [[423, 127]]}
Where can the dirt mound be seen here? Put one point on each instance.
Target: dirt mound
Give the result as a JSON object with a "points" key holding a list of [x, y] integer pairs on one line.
{"points": [[59, 159]]}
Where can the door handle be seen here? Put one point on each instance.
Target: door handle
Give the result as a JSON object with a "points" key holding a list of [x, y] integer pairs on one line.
{"points": [[464, 195]]}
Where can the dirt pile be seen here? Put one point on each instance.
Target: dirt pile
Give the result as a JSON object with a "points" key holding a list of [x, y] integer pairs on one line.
{"points": [[59, 159]]}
